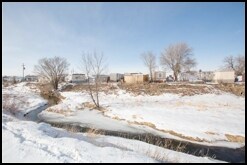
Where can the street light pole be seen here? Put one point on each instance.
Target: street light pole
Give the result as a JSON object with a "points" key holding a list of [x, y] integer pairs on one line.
{"points": [[23, 68]]}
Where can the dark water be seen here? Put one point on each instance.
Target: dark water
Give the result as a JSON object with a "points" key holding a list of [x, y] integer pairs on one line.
{"points": [[219, 153]]}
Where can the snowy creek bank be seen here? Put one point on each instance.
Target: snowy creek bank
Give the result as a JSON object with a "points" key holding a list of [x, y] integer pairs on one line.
{"points": [[33, 115], [219, 153]]}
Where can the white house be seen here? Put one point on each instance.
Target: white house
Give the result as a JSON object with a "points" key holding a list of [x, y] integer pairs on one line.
{"points": [[78, 78], [224, 76], [116, 76], [31, 78], [159, 76]]}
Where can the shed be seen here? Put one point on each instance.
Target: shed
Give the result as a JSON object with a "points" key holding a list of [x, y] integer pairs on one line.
{"points": [[135, 78], [224, 77]]}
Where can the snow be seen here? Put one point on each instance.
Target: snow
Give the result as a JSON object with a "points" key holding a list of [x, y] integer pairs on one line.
{"points": [[192, 116], [27, 97], [207, 117], [27, 141]]}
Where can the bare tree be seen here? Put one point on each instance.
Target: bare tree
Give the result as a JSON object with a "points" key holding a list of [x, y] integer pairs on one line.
{"points": [[178, 58], [94, 64], [52, 69], [149, 61], [235, 63]]}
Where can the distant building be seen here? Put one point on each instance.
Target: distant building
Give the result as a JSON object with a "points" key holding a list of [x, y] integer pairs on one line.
{"points": [[78, 78], [31, 78], [224, 77], [102, 78], [188, 76], [159, 76], [7, 78], [12, 78], [116, 77], [135, 78], [206, 76]]}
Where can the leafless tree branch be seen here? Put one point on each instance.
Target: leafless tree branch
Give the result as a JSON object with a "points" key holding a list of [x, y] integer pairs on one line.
{"points": [[52, 69]]}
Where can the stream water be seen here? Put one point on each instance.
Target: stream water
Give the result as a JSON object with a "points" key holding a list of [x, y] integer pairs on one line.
{"points": [[219, 153]]}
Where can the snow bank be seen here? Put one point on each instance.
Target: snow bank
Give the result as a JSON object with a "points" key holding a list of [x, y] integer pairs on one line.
{"points": [[26, 141]]}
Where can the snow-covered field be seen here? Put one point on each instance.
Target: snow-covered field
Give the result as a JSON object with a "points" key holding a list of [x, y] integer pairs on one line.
{"points": [[208, 117], [27, 97], [27, 141]]}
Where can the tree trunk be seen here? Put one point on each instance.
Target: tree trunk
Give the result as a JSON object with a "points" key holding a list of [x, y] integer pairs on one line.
{"points": [[97, 93], [151, 75], [176, 76]]}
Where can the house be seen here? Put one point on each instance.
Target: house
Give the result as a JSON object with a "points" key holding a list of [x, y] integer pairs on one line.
{"points": [[78, 78], [135, 78], [12, 79], [224, 76], [188, 76], [159, 76], [239, 79], [102, 78], [7, 78], [206, 76], [31, 78], [116, 77]]}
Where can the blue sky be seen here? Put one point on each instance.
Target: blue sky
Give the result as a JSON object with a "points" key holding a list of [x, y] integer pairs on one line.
{"points": [[122, 31]]}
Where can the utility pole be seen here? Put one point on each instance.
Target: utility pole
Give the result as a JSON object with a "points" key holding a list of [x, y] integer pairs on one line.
{"points": [[23, 68]]}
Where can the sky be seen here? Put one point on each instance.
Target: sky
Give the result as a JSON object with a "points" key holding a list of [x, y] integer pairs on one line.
{"points": [[121, 31]]}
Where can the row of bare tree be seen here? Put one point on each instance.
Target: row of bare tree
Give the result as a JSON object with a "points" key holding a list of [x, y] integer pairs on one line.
{"points": [[176, 57], [179, 58], [53, 69]]}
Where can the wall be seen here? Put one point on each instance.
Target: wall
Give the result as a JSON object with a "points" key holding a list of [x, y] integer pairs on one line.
{"points": [[224, 77], [136, 78]]}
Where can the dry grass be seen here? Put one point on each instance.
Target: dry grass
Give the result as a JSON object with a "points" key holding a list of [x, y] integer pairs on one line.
{"points": [[211, 133], [237, 89], [12, 103], [93, 132], [65, 112], [146, 124], [157, 155], [88, 105], [159, 88], [235, 138], [184, 137], [72, 129]]}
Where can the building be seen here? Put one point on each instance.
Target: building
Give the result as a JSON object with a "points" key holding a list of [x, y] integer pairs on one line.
{"points": [[131, 78], [12, 79], [102, 78], [159, 76], [188, 76], [224, 76], [116, 77], [31, 78], [206, 76], [7, 78], [77, 78]]}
